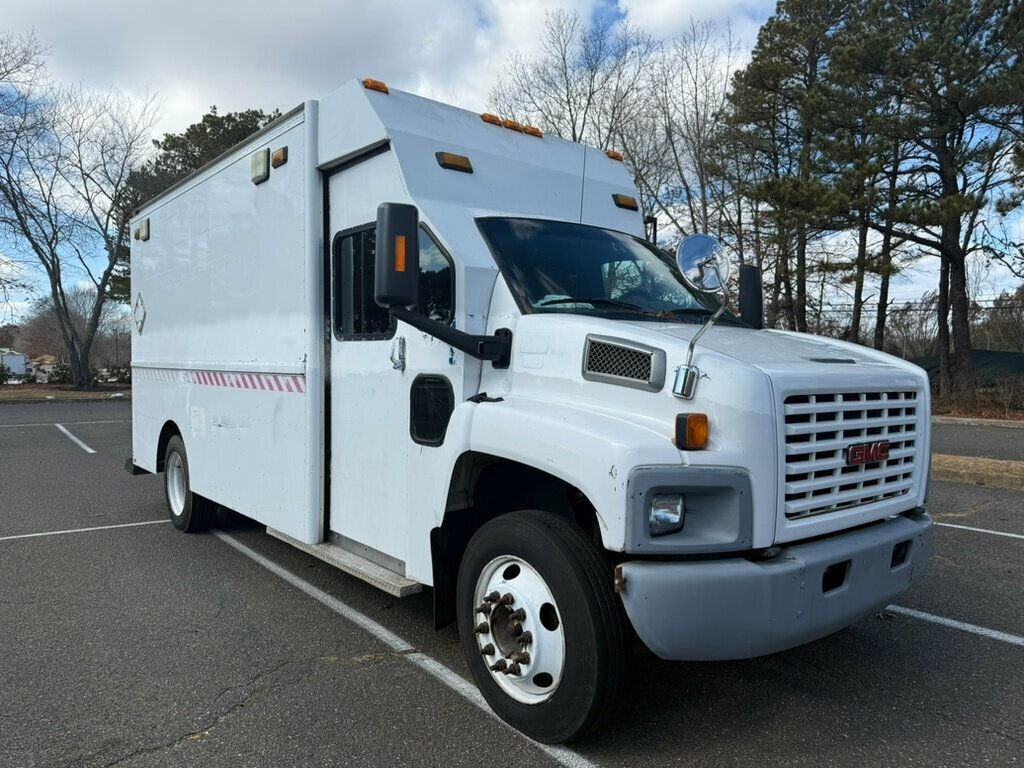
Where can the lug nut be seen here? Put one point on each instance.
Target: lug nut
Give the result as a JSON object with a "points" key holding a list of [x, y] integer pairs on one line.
{"points": [[515, 669], [484, 608], [506, 599], [492, 598], [526, 638], [482, 628], [518, 615], [488, 650], [515, 628], [521, 657], [499, 666]]}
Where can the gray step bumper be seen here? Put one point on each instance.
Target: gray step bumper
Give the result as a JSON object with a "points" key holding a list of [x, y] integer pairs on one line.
{"points": [[736, 609]]}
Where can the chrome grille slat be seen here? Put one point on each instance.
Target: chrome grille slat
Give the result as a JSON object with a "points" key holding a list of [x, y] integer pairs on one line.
{"points": [[820, 426], [817, 465], [837, 444]]}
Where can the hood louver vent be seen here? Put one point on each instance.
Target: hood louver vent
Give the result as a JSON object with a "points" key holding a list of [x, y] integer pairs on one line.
{"points": [[616, 361]]}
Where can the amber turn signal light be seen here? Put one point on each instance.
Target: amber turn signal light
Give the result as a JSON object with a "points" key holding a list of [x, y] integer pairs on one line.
{"points": [[691, 431], [375, 85]]}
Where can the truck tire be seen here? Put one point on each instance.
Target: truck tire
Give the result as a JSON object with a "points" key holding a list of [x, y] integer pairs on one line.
{"points": [[541, 627], [187, 511]]}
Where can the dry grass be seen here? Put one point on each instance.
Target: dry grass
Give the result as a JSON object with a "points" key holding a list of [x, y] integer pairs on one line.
{"points": [[998, 473], [20, 393]]}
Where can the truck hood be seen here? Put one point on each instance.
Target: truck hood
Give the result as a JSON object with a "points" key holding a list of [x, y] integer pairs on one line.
{"points": [[773, 351]]}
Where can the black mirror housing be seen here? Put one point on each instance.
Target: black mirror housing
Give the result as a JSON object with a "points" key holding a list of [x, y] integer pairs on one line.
{"points": [[751, 299], [397, 277]]}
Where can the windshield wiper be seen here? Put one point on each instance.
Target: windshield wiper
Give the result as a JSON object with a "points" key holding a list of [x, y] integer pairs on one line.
{"points": [[597, 300]]}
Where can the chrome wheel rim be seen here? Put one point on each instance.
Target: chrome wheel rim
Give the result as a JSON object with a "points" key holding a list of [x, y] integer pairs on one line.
{"points": [[174, 477], [518, 628]]}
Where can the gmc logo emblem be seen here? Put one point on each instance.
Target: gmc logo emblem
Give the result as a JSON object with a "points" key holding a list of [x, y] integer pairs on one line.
{"points": [[867, 453]]}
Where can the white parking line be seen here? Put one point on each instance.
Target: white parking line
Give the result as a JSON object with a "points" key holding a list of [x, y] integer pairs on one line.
{"points": [[982, 530], [74, 439], [81, 530], [72, 423], [992, 634], [436, 669]]}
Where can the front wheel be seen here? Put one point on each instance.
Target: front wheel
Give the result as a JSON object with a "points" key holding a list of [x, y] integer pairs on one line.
{"points": [[187, 511], [541, 627]]}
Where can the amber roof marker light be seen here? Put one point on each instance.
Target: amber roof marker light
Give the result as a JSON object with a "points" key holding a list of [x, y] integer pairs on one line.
{"points": [[487, 117], [614, 154], [375, 85], [453, 162]]}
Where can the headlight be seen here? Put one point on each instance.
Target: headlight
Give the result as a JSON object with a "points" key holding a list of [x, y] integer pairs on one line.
{"points": [[665, 513]]}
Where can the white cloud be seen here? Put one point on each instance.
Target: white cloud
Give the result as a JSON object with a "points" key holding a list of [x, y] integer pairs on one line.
{"points": [[240, 55]]}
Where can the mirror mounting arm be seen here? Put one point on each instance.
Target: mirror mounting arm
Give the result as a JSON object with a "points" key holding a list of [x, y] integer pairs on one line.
{"points": [[496, 348], [687, 374]]}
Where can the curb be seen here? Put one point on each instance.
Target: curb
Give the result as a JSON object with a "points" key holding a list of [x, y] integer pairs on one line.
{"points": [[971, 422], [997, 473]]}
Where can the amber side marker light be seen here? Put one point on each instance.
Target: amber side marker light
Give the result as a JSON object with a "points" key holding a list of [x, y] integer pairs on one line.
{"points": [[691, 431], [375, 85], [454, 162], [625, 201], [614, 154], [487, 117]]}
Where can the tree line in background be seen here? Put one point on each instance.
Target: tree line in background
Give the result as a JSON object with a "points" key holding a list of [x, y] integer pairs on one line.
{"points": [[74, 165], [854, 139], [857, 138]]}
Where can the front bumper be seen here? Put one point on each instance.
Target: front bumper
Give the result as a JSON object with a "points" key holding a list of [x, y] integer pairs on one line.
{"points": [[736, 608]]}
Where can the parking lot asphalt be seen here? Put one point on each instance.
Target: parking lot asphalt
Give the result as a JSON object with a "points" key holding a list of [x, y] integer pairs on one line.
{"points": [[142, 646], [986, 442]]}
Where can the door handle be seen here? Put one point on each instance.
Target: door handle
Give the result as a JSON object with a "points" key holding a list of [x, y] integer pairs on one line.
{"points": [[398, 354]]}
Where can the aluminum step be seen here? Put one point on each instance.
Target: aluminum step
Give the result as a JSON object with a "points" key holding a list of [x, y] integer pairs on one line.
{"points": [[355, 565]]}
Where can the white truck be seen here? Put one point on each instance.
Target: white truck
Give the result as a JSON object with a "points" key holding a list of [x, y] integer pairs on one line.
{"points": [[434, 348]]}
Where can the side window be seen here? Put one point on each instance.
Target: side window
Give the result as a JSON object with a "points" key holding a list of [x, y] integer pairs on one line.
{"points": [[356, 314], [437, 281], [355, 311]]}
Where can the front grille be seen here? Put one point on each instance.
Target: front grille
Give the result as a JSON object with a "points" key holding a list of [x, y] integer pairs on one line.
{"points": [[625, 363], [820, 427]]}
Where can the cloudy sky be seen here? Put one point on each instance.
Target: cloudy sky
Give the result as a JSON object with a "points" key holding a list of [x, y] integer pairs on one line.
{"points": [[237, 55]]}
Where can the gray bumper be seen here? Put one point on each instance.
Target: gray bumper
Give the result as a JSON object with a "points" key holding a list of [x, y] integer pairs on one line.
{"points": [[735, 608]]}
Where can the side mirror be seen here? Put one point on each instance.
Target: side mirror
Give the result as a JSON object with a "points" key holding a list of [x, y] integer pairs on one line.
{"points": [[397, 278], [703, 263]]}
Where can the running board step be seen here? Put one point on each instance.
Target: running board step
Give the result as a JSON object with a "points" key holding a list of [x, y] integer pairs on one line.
{"points": [[393, 583]]}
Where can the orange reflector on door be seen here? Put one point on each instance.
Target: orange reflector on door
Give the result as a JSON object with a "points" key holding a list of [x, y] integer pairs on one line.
{"points": [[399, 253], [625, 201], [375, 85], [691, 431], [454, 162]]}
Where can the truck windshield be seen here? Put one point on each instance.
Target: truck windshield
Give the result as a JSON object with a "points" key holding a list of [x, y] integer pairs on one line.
{"points": [[558, 266]]}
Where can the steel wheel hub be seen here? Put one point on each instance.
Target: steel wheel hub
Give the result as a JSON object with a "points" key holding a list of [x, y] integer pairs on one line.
{"points": [[174, 477], [519, 630]]}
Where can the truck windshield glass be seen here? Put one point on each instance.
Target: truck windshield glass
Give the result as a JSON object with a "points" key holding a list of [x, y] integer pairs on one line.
{"points": [[557, 266]]}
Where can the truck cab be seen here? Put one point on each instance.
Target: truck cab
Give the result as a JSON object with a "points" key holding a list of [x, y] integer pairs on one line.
{"points": [[436, 349]]}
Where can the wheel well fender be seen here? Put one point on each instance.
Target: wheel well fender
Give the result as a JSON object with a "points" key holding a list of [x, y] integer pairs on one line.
{"points": [[169, 430], [484, 486]]}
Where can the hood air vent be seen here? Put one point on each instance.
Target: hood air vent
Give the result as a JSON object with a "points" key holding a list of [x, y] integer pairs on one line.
{"points": [[617, 361]]}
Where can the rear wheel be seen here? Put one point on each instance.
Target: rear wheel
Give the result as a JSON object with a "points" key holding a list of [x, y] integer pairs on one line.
{"points": [[187, 511], [541, 627]]}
